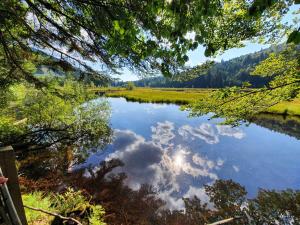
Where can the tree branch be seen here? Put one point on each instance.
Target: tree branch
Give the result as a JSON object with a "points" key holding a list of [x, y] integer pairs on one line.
{"points": [[53, 214], [259, 90], [224, 221]]}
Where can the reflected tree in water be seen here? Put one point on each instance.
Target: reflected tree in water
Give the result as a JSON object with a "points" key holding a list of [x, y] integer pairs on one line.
{"points": [[226, 199], [143, 206], [289, 125]]}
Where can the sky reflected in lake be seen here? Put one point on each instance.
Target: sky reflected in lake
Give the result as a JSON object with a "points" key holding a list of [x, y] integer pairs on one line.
{"points": [[161, 146]]}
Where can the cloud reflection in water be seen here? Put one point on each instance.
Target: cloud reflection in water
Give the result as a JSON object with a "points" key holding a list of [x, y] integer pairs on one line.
{"points": [[169, 167], [205, 132]]}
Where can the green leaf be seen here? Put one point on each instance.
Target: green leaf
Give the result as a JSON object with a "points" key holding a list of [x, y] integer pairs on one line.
{"points": [[29, 67], [122, 31], [116, 25], [294, 37], [185, 58]]}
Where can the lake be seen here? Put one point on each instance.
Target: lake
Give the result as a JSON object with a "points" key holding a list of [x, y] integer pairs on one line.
{"points": [[159, 145]]}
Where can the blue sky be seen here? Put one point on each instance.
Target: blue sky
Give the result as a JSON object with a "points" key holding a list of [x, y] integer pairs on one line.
{"points": [[197, 57]]}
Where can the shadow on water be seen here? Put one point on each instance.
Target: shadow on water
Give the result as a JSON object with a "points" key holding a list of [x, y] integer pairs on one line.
{"points": [[289, 125]]}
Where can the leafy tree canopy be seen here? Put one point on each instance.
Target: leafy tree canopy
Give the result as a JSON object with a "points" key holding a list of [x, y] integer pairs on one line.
{"points": [[140, 35], [238, 104], [59, 116]]}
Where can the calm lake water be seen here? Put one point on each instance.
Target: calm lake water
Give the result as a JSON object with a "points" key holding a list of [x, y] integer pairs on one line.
{"points": [[161, 146]]}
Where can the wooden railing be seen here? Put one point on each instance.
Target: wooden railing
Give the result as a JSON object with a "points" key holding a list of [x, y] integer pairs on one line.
{"points": [[11, 205]]}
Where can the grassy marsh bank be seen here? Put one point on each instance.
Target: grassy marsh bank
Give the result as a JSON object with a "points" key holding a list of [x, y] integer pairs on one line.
{"points": [[287, 108], [157, 95], [185, 96]]}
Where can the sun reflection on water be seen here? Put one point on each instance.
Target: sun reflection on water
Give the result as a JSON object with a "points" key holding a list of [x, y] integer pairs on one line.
{"points": [[178, 160], [167, 158]]}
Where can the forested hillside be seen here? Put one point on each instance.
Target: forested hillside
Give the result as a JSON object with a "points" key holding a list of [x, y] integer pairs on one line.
{"points": [[226, 73], [233, 72]]}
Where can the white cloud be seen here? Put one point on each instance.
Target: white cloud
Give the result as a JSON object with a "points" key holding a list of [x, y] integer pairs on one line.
{"points": [[163, 133], [227, 130], [85, 36], [208, 133], [162, 163], [236, 168], [220, 162], [190, 35], [205, 132], [200, 194], [158, 106]]}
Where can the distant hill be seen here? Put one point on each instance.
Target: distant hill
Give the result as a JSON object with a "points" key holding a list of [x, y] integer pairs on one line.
{"points": [[53, 66], [226, 73]]}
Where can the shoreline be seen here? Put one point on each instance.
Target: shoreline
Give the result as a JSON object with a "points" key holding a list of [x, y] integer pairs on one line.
{"points": [[183, 96]]}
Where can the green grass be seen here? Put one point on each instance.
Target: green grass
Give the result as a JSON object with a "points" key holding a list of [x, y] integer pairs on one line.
{"points": [[185, 96], [158, 95], [288, 108], [37, 200], [69, 203]]}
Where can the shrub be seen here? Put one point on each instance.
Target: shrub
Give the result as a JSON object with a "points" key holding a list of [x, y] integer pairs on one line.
{"points": [[130, 86]]}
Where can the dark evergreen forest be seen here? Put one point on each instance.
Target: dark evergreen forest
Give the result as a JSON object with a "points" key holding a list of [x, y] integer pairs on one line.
{"points": [[233, 72]]}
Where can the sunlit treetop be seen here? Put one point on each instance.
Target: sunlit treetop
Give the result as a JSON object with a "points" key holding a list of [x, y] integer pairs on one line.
{"points": [[241, 104], [140, 35]]}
